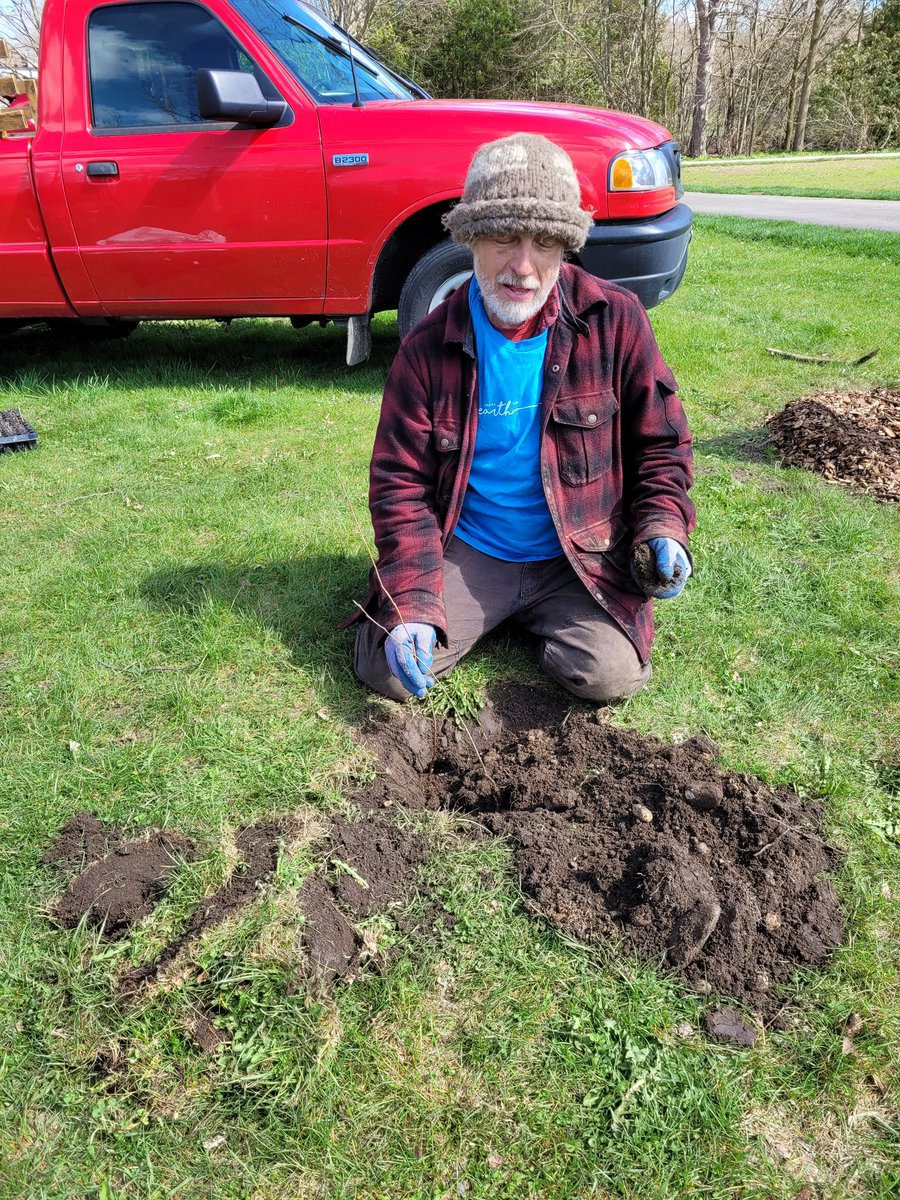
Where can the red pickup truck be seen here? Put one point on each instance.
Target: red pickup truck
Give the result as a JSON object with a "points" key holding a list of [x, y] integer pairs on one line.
{"points": [[248, 158]]}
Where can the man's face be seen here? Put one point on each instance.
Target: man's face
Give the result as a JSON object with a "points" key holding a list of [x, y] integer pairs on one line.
{"points": [[516, 274]]}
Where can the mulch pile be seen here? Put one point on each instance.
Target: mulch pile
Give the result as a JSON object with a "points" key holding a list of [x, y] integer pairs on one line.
{"points": [[852, 438]]}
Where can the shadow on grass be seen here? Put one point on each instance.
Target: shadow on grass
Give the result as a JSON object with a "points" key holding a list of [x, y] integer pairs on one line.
{"points": [[301, 600], [264, 353], [743, 445]]}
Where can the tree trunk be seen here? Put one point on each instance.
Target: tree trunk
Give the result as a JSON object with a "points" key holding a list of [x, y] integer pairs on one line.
{"points": [[706, 29], [803, 108], [792, 97]]}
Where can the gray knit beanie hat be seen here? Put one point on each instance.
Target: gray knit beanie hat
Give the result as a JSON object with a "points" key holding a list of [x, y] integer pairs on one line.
{"points": [[521, 184]]}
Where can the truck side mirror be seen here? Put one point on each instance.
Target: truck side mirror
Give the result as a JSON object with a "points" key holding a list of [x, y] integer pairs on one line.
{"points": [[235, 96]]}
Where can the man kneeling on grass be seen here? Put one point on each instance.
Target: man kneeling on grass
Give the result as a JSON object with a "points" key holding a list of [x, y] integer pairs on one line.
{"points": [[531, 448]]}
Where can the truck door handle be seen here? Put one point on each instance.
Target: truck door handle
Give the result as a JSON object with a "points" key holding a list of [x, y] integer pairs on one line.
{"points": [[103, 170]]}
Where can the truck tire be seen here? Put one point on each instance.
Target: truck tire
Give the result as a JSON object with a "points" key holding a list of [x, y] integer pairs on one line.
{"points": [[432, 279], [92, 329]]}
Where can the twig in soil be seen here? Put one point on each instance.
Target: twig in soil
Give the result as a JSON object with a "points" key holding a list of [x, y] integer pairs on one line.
{"points": [[822, 358]]}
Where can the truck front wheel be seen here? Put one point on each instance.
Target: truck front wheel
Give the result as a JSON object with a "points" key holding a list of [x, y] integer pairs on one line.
{"points": [[432, 279]]}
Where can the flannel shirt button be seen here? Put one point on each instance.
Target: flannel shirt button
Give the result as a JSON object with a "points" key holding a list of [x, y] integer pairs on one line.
{"points": [[606, 541], [445, 442], [555, 368], [592, 419]]}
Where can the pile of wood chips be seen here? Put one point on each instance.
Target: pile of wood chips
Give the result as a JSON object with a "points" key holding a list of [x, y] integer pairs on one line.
{"points": [[851, 438]]}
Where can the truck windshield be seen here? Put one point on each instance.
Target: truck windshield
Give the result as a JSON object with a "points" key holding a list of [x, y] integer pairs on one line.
{"points": [[319, 54]]}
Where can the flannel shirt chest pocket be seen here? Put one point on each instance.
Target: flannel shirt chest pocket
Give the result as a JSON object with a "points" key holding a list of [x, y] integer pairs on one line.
{"points": [[446, 441], [583, 429]]}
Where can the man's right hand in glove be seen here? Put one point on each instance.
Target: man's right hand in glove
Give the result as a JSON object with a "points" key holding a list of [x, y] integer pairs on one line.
{"points": [[409, 650]]}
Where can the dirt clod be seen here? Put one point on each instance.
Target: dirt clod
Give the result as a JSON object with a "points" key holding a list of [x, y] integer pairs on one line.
{"points": [[205, 1035], [725, 1025], [646, 575], [329, 938], [122, 888], [373, 867], [851, 438]]}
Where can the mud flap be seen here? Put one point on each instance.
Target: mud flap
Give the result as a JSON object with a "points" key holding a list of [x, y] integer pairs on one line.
{"points": [[359, 339]]}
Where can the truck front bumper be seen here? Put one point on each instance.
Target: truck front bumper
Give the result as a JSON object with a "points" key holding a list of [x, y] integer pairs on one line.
{"points": [[648, 257]]}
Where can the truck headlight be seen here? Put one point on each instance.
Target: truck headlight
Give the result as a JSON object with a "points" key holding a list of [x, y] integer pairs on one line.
{"points": [[640, 171]]}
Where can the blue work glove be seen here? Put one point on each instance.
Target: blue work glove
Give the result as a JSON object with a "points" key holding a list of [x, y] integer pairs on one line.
{"points": [[409, 650], [670, 556]]}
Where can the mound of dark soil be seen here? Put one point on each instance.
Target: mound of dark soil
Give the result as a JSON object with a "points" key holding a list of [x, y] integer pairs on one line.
{"points": [[618, 836], [849, 437], [82, 840], [122, 888], [370, 867]]}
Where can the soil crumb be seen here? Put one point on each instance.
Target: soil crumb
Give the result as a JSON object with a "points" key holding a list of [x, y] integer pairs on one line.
{"points": [[205, 1036], [122, 888], [82, 840], [259, 847], [371, 867], [620, 836], [852, 438]]}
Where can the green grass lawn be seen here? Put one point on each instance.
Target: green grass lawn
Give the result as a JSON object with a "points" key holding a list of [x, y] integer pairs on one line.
{"points": [[863, 178], [185, 510]]}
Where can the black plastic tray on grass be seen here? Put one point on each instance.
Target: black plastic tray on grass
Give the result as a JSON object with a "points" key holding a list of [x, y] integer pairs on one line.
{"points": [[15, 432]]}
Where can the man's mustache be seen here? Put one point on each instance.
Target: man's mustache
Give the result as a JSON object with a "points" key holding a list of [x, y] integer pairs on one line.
{"points": [[520, 281]]}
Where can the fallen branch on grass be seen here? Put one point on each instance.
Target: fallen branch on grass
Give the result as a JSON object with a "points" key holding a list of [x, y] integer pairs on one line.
{"points": [[816, 358]]}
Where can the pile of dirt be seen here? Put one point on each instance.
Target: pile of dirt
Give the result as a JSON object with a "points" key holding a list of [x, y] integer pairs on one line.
{"points": [[370, 867], [124, 886], [618, 837], [719, 877], [259, 847], [851, 438]]}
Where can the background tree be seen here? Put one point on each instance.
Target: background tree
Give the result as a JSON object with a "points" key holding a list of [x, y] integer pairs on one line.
{"points": [[20, 24]]}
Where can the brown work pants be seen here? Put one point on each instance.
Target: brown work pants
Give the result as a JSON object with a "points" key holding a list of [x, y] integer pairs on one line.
{"points": [[580, 646]]}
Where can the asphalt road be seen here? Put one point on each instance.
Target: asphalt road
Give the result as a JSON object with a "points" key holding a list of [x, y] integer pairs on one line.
{"points": [[815, 210]]}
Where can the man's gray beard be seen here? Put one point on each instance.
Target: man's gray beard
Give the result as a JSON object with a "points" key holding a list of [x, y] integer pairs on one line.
{"points": [[512, 312]]}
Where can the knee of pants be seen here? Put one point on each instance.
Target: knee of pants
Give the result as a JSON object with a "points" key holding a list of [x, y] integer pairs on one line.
{"points": [[600, 678]]}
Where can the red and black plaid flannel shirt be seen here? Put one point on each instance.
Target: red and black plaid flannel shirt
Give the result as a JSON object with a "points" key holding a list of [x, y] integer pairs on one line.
{"points": [[615, 451]]}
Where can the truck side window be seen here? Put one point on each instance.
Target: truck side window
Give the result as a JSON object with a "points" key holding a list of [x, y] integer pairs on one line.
{"points": [[144, 60]]}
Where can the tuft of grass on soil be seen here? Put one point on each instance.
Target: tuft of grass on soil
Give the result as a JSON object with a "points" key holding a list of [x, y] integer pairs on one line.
{"points": [[861, 178], [178, 553]]}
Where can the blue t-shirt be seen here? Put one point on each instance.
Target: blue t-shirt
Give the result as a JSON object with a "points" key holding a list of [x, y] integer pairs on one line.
{"points": [[504, 511]]}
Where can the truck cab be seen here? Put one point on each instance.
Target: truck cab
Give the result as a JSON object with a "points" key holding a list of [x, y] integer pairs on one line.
{"points": [[247, 157]]}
